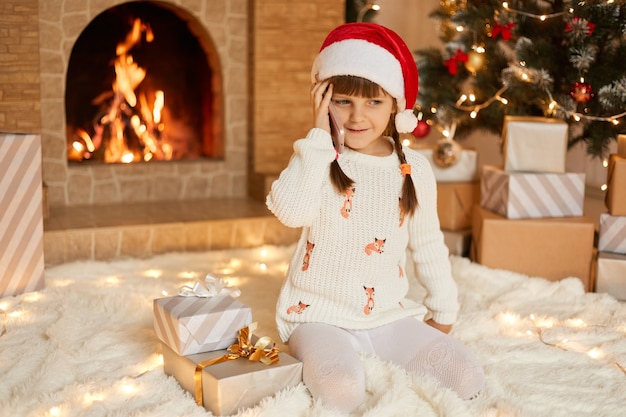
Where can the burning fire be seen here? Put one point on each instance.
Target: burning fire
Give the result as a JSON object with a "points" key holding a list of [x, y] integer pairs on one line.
{"points": [[127, 113]]}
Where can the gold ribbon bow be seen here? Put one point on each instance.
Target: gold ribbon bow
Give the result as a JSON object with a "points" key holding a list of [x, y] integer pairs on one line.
{"points": [[263, 351]]}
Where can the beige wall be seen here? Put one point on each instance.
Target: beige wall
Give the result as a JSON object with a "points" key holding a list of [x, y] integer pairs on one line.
{"points": [[409, 19], [19, 66], [286, 36]]}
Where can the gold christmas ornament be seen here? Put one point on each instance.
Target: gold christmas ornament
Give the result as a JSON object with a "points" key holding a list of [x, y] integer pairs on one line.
{"points": [[446, 153], [475, 61]]}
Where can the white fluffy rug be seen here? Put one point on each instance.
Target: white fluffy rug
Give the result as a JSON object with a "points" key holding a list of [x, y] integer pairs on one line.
{"points": [[85, 345]]}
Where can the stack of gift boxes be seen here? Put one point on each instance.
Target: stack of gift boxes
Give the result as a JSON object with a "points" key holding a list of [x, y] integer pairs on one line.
{"points": [[611, 263], [530, 218], [210, 348], [458, 191]]}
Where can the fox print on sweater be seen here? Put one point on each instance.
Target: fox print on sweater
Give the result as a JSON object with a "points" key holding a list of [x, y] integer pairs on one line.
{"points": [[343, 255]]}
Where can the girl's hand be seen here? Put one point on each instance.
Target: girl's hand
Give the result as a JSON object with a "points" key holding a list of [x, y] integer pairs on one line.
{"points": [[321, 94], [445, 328]]}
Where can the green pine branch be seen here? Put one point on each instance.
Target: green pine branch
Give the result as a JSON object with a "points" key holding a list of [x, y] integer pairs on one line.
{"points": [[578, 42]]}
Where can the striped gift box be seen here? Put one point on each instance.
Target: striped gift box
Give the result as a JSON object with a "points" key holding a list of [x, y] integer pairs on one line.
{"points": [[520, 195], [612, 236], [21, 218], [611, 274], [191, 325]]}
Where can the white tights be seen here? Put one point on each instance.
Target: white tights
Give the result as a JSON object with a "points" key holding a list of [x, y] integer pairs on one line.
{"points": [[333, 372]]}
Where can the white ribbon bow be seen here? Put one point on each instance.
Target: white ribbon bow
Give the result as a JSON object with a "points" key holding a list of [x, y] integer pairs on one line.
{"points": [[211, 287]]}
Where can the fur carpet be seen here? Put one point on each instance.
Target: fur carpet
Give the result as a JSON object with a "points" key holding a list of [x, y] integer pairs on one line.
{"points": [[85, 345]]}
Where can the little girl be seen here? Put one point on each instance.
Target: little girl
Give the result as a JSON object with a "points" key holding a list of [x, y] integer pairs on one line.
{"points": [[361, 212]]}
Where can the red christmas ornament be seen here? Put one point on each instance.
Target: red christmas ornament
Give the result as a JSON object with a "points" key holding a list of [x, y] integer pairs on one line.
{"points": [[421, 130], [581, 92]]}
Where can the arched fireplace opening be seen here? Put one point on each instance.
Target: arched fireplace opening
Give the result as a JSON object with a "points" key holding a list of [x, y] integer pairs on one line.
{"points": [[143, 84]]}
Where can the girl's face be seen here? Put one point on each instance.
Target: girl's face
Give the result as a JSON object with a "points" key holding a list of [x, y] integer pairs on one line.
{"points": [[365, 120]]}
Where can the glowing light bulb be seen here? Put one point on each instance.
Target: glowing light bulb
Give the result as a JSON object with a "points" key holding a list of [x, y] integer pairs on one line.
{"points": [[153, 273], [128, 388], [595, 353], [604, 187]]}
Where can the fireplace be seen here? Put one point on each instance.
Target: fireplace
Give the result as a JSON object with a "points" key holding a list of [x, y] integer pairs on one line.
{"points": [[139, 89], [197, 79]]}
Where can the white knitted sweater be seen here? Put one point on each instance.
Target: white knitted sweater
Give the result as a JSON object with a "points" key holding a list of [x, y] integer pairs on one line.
{"points": [[348, 266]]}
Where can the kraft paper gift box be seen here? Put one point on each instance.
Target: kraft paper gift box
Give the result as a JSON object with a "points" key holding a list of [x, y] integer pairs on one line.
{"points": [[621, 145], [615, 197], [464, 170], [21, 217], [191, 325], [534, 144], [458, 242], [232, 385], [611, 274], [551, 248], [455, 201], [519, 195], [612, 234]]}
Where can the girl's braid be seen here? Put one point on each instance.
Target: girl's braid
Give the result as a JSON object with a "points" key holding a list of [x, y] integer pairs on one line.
{"points": [[408, 201]]}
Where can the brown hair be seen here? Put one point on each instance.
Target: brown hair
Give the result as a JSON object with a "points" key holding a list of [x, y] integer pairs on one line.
{"points": [[357, 86]]}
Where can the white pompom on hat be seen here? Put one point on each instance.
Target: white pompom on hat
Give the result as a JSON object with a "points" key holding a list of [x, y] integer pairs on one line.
{"points": [[378, 54]]}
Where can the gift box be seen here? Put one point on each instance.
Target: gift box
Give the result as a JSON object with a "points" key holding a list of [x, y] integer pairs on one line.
{"points": [[551, 248], [463, 170], [21, 220], [534, 144], [519, 195], [615, 197], [455, 201], [191, 325], [612, 235], [611, 274], [225, 387], [621, 145], [458, 241]]}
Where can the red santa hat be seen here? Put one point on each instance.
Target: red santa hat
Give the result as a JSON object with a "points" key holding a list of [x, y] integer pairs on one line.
{"points": [[378, 54]]}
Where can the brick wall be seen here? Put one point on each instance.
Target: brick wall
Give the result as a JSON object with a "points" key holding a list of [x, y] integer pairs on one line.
{"points": [[285, 38], [19, 66]]}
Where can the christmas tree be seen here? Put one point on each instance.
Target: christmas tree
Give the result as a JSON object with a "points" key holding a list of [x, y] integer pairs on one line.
{"points": [[551, 58]]}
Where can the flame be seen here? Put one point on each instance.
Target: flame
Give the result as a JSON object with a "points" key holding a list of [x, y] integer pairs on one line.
{"points": [[126, 112]]}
